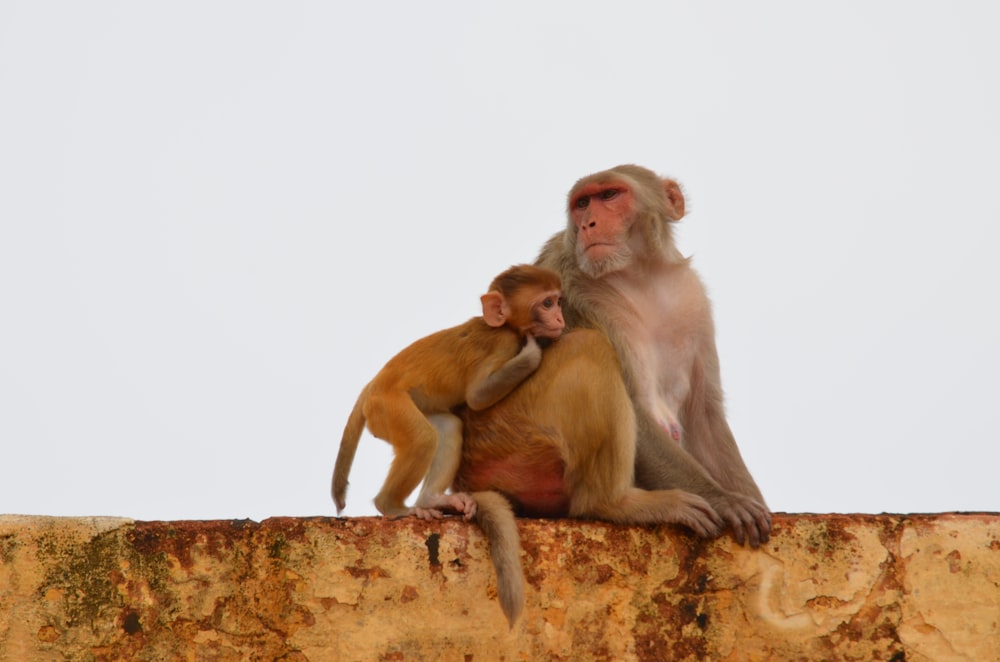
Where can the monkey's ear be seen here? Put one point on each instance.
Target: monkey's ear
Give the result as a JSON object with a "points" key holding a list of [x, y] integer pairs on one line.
{"points": [[495, 308], [675, 199]]}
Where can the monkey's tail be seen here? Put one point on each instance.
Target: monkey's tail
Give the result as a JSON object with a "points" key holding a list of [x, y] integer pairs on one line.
{"points": [[496, 518], [348, 447]]}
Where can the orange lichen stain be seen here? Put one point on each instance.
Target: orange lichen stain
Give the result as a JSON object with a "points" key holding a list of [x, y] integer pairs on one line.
{"points": [[48, 634], [555, 617]]}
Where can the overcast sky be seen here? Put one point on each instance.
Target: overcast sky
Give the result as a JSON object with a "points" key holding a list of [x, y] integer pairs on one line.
{"points": [[218, 220]]}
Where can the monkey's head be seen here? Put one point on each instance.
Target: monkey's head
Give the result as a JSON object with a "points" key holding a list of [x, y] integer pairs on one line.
{"points": [[528, 299], [619, 215]]}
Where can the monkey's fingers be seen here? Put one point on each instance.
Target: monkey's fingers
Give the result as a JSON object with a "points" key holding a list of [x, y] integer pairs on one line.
{"points": [[698, 515], [464, 505], [436, 506], [748, 519], [759, 525], [737, 527], [428, 514], [762, 517]]}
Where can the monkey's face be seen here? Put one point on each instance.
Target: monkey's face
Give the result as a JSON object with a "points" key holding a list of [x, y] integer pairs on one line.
{"points": [[546, 318], [600, 215]]}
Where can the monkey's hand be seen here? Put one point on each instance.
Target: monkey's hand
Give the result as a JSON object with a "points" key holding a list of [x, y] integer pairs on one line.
{"points": [[486, 392], [530, 355], [697, 514], [434, 507], [673, 506], [749, 519]]}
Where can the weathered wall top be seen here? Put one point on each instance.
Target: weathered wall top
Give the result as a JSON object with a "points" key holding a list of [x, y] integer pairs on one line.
{"points": [[845, 587]]}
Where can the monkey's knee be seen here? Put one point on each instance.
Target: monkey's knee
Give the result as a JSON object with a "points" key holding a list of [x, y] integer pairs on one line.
{"points": [[423, 447], [414, 452]]}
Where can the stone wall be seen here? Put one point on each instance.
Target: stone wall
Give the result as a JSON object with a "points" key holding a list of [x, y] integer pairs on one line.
{"points": [[837, 587]]}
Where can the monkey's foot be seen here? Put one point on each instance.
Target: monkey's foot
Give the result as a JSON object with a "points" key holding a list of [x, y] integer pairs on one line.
{"points": [[427, 513], [434, 507]]}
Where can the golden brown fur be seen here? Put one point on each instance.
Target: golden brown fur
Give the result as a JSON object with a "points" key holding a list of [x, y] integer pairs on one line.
{"points": [[409, 403]]}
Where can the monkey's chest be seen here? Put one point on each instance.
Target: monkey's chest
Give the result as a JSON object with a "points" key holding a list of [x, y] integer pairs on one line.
{"points": [[662, 325], [656, 312]]}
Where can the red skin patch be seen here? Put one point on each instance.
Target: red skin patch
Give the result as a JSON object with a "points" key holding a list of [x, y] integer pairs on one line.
{"points": [[535, 488]]}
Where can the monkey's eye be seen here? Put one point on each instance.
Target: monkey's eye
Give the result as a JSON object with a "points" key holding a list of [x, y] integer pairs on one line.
{"points": [[581, 202], [609, 194], [548, 302]]}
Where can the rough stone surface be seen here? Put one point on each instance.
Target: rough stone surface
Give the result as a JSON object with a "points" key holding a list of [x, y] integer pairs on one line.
{"points": [[827, 587]]}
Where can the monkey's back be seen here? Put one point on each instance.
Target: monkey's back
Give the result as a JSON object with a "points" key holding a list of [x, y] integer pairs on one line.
{"points": [[436, 369], [523, 446]]}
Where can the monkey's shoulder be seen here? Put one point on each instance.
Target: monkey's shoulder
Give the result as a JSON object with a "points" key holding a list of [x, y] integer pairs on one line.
{"points": [[476, 335], [437, 369], [477, 341], [459, 348]]}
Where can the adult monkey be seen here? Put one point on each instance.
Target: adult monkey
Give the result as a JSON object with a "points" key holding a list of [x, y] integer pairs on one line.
{"points": [[623, 275]]}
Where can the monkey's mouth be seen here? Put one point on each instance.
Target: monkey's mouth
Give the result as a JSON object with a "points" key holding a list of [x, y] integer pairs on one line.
{"points": [[598, 248]]}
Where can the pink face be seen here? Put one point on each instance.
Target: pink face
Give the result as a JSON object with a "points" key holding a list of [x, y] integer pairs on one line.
{"points": [[546, 315], [601, 213]]}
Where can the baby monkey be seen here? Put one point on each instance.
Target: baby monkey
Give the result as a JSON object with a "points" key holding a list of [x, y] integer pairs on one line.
{"points": [[410, 402]]}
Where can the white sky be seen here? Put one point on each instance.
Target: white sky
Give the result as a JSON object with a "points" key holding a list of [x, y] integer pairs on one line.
{"points": [[218, 220]]}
